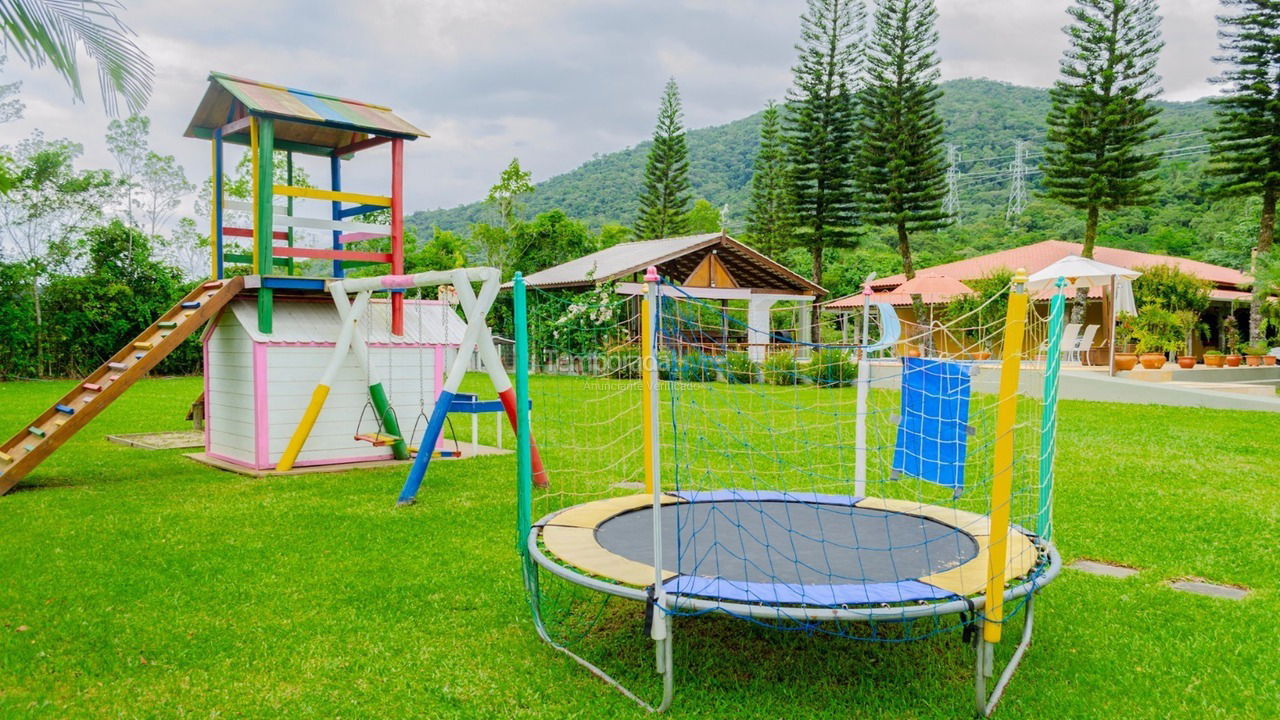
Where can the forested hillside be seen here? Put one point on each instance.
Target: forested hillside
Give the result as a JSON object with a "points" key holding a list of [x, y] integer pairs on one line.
{"points": [[984, 120]]}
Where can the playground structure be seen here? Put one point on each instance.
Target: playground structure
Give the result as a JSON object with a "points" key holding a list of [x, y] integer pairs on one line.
{"points": [[911, 502], [268, 330]]}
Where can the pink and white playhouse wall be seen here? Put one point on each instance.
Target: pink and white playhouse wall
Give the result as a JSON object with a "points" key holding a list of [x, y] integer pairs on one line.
{"points": [[256, 386]]}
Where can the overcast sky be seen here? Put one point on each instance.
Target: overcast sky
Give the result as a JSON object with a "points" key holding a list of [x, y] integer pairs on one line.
{"points": [[549, 81]]}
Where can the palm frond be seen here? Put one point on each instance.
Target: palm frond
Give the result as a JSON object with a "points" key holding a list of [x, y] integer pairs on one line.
{"points": [[52, 31]]}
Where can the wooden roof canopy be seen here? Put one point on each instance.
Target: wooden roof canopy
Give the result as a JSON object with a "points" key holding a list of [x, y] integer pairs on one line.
{"points": [[708, 260], [305, 122]]}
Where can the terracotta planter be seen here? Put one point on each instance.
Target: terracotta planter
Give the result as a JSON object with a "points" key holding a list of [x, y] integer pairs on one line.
{"points": [[981, 355], [1269, 359], [1126, 362], [1186, 362], [1152, 361], [1253, 360], [1233, 360], [1214, 360]]}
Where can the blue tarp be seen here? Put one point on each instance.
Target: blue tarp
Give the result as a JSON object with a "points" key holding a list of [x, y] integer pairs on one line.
{"points": [[933, 433]]}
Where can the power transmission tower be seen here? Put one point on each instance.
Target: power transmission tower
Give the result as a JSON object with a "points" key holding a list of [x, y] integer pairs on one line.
{"points": [[951, 205], [1018, 181]]}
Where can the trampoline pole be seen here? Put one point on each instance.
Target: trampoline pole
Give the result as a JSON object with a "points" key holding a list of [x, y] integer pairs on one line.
{"points": [[864, 383], [1014, 661]]}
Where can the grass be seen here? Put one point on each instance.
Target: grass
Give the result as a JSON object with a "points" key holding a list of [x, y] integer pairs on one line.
{"points": [[140, 584]]}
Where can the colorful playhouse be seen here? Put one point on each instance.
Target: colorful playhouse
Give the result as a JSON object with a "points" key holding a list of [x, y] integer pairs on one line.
{"points": [[305, 366], [257, 384]]}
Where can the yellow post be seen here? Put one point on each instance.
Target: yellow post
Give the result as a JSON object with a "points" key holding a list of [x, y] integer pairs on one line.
{"points": [[303, 430], [253, 153], [648, 366], [1002, 482]]}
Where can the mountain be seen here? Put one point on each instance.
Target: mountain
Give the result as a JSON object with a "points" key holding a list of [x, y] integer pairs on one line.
{"points": [[983, 119]]}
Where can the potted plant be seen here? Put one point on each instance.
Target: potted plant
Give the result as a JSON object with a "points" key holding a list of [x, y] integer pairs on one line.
{"points": [[1125, 357], [1214, 358], [1157, 332], [1188, 323], [1231, 339], [1253, 353]]}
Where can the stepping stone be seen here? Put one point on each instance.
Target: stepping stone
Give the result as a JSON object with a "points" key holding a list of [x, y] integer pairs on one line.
{"points": [[1198, 587], [1093, 567], [628, 485]]}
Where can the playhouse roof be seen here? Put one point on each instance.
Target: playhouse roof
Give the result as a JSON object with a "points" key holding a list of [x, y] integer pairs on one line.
{"points": [[304, 118], [678, 258], [426, 322]]}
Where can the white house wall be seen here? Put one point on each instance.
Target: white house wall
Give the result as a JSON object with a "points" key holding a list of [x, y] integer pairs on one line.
{"points": [[229, 422], [292, 373]]}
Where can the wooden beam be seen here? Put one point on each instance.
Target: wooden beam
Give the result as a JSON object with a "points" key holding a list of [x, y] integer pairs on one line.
{"points": [[236, 126], [318, 194], [329, 254], [359, 145]]}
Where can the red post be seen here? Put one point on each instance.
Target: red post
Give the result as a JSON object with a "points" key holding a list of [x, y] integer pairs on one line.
{"points": [[397, 232]]}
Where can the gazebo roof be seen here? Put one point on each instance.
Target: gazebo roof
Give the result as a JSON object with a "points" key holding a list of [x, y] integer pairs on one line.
{"points": [[313, 122], [710, 255]]}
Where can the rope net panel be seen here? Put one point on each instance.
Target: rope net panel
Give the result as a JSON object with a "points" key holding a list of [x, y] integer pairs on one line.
{"points": [[830, 473]]}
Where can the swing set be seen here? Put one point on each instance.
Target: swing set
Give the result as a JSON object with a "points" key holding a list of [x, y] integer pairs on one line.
{"points": [[351, 298]]}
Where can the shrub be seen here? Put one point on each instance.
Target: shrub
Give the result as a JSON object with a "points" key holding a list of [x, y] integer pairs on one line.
{"points": [[831, 367], [1157, 330], [739, 368], [780, 369], [697, 367], [622, 362], [1255, 348]]}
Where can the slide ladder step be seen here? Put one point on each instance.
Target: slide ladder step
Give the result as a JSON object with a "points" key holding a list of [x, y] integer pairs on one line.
{"points": [[117, 366], [38, 432], [191, 305], [64, 409], [92, 387], [140, 345], [168, 324], [212, 285], [6, 457]]}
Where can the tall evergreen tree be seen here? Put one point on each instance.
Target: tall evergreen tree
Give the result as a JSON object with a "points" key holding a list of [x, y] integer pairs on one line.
{"points": [[664, 204], [821, 127], [902, 173], [1245, 142], [769, 219], [1101, 113]]}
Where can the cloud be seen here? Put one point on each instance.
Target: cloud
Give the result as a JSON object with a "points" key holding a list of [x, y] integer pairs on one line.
{"points": [[551, 81]]}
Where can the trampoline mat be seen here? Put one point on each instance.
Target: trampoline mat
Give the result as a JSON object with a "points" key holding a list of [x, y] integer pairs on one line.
{"points": [[789, 542]]}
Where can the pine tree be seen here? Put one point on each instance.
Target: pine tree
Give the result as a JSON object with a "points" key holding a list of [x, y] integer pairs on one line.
{"points": [[1245, 142], [902, 176], [664, 204], [820, 127], [769, 219], [1101, 113]]}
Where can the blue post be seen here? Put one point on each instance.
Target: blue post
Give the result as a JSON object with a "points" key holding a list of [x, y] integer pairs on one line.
{"points": [[335, 182], [524, 459], [1049, 416], [426, 446]]}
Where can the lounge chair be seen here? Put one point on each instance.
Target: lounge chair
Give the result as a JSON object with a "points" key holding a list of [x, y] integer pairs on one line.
{"points": [[1085, 343], [1069, 336]]}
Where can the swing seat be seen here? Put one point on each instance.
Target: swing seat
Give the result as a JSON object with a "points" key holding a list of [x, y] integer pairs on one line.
{"points": [[377, 439]]}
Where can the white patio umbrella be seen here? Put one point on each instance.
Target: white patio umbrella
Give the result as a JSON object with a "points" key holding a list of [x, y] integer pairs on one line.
{"points": [[1082, 272]]}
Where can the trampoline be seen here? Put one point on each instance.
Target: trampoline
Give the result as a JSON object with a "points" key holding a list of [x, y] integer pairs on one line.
{"points": [[763, 553]]}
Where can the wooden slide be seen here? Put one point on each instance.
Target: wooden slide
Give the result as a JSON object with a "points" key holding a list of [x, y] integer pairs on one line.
{"points": [[30, 446]]}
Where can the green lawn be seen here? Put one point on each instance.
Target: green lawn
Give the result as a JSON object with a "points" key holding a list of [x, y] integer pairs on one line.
{"points": [[140, 584]]}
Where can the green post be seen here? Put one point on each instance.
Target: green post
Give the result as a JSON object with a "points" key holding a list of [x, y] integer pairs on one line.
{"points": [[524, 458], [288, 179], [1049, 416], [382, 406], [265, 181]]}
